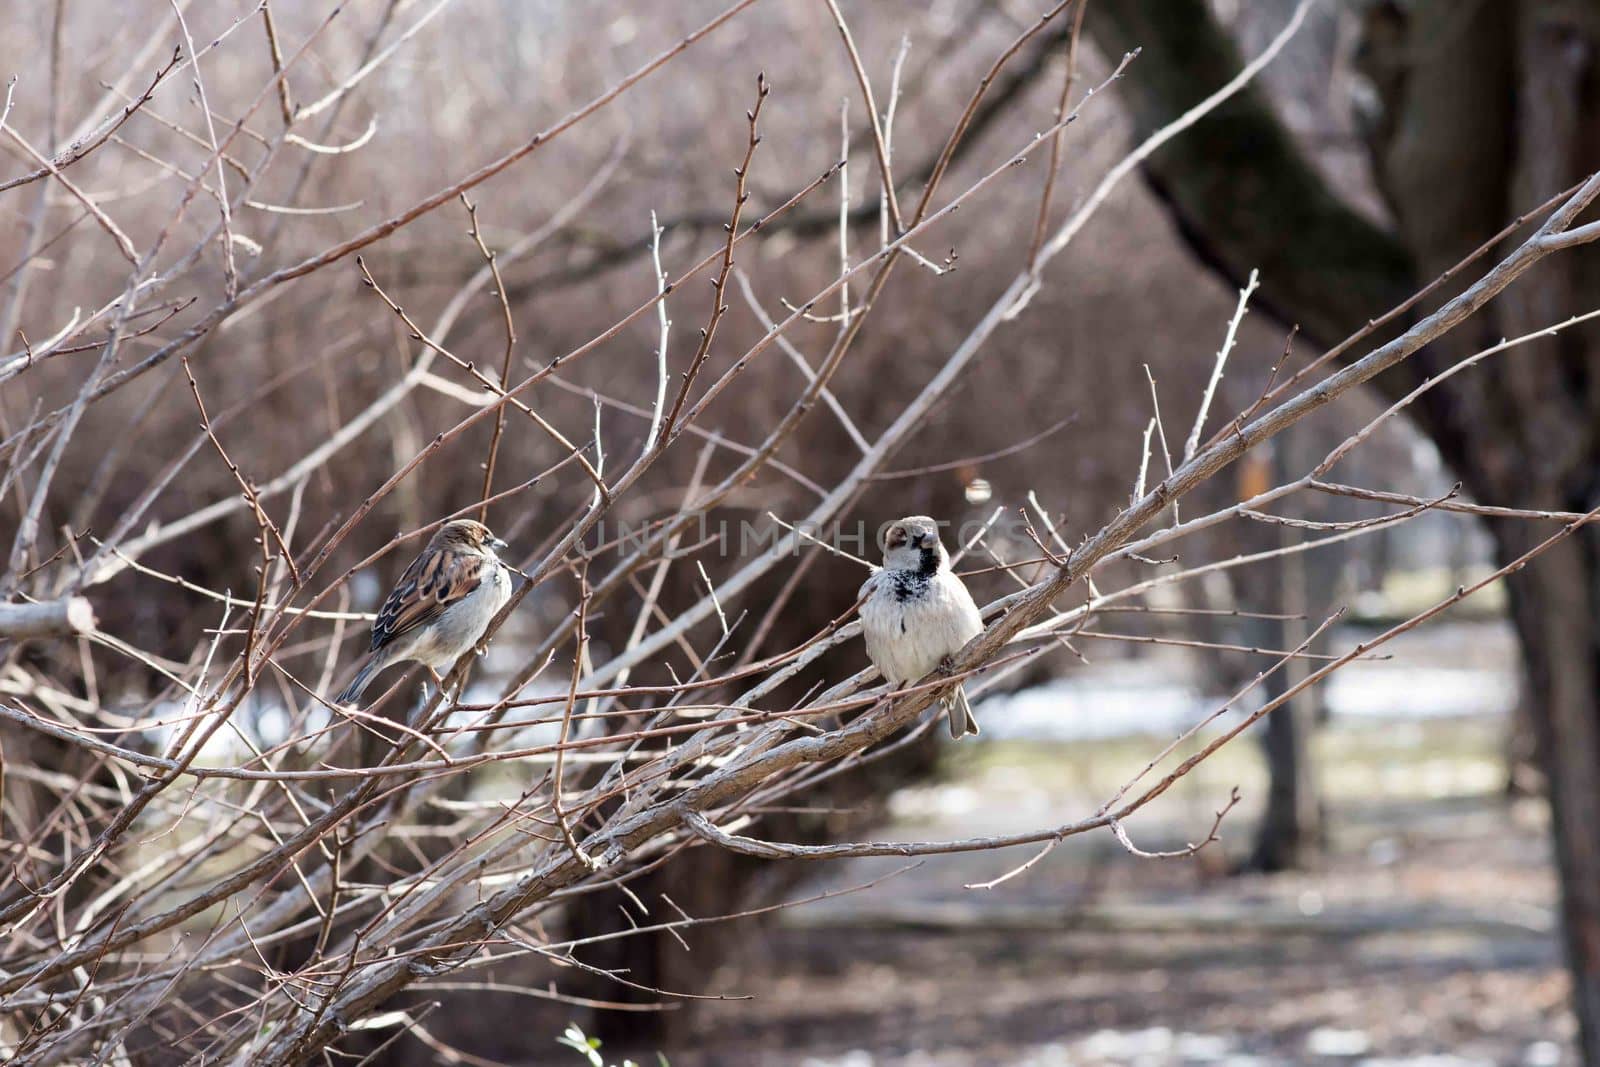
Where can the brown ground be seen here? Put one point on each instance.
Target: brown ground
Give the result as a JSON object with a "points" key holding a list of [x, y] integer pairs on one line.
{"points": [[1426, 940]]}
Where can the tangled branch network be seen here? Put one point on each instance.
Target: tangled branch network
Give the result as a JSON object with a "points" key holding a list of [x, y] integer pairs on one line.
{"points": [[224, 863]]}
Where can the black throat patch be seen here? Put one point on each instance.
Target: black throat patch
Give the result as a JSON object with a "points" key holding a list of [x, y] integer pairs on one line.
{"points": [[909, 585]]}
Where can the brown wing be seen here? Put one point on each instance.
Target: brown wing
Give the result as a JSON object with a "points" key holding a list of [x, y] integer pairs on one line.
{"points": [[433, 582]]}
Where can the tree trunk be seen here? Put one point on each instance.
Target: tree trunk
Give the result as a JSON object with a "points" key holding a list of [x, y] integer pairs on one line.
{"points": [[1558, 622], [1290, 835]]}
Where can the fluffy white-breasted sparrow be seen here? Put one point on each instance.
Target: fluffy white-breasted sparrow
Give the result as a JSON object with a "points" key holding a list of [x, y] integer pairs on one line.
{"points": [[916, 613], [440, 607]]}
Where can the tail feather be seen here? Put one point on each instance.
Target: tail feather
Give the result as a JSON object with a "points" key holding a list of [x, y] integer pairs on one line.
{"points": [[959, 711], [358, 685]]}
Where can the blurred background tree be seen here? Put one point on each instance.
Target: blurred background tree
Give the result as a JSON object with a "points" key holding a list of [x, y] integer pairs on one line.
{"points": [[1472, 113]]}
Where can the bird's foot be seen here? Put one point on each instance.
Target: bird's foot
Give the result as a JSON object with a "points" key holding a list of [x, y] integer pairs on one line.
{"points": [[439, 683]]}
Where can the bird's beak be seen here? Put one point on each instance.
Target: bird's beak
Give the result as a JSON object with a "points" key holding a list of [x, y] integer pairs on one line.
{"points": [[497, 544]]}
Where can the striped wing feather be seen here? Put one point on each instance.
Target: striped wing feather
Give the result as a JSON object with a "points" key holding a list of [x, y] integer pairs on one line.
{"points": [[433, 582]]}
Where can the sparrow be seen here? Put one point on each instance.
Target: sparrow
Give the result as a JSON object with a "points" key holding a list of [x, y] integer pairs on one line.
{"points": [[915, 613], [440, 607]]}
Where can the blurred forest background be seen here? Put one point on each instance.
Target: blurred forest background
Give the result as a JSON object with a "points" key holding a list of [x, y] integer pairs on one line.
{"points": [[1392, 888]]}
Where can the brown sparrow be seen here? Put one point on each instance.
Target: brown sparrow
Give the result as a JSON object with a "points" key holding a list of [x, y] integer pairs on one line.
{"points": [[917, 613], [441, 606]]}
